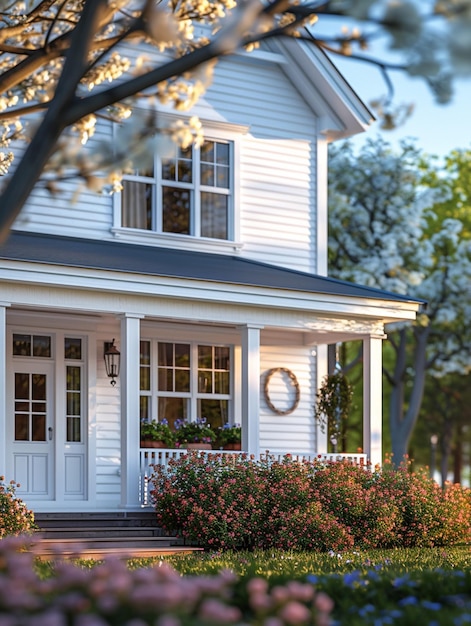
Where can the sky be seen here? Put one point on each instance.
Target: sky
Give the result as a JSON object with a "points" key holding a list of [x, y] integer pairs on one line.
{"points": [[438, 129]]}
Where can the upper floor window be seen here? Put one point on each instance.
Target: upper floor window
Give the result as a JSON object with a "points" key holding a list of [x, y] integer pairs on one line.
{"points": [[190, 193]]}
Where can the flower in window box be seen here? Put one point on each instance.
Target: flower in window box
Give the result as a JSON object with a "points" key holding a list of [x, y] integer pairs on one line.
{"points": [[230, 436], [152, 432], [194, 432]]}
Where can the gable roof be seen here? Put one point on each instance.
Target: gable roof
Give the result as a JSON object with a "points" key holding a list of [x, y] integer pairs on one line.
{"points": [[165, 262]]}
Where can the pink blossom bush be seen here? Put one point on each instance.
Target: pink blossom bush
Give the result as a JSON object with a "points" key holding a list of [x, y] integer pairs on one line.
{"points": [[110, 594], [235, 502], [15, 517]]}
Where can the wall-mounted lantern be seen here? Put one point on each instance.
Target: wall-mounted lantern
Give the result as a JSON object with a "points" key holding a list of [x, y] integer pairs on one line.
{"points": [[112, 361]]}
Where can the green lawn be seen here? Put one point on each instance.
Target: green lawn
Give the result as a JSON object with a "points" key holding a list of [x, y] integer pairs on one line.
{"points": [[414, 587]]}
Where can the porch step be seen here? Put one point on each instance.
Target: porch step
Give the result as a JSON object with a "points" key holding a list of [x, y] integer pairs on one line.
{"points": [[97, 535]]}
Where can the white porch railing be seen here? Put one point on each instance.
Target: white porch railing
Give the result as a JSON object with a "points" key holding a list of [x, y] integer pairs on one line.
{"points": [[162, 456]]}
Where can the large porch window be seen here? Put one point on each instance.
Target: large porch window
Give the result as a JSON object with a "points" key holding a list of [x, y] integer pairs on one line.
{"points": [[185, 381]]}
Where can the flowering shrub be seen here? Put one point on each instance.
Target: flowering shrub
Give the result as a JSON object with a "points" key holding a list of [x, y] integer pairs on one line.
{"points": [[235, 502], [15, 518], [112, 594]]}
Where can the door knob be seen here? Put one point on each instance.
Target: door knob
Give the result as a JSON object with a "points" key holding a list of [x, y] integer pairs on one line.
{"points": [[50, 431]]}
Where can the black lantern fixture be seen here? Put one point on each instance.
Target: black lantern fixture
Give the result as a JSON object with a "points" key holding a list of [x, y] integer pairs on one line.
{"points": [[112, 361]]}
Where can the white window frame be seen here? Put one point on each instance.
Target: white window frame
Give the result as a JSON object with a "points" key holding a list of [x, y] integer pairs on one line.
{"points": [[193, 395], [215, 131]]}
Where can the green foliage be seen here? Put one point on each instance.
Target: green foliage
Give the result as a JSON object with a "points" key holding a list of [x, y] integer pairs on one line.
{"points": [[229, 433], [158, 431], [237, 503], [198, 431], [333, 403], [15, 517]]}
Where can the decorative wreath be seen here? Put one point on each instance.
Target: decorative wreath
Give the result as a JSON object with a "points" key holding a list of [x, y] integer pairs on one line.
{"points": [[294, 382]]}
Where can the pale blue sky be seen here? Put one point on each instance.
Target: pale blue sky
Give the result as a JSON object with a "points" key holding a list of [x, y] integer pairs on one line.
{"points": [[438, 128]]}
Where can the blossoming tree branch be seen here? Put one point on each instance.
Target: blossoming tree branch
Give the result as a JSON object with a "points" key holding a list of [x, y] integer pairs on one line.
{"points": [[62, 66]]}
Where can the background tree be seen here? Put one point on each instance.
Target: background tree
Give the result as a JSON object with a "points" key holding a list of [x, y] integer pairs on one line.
{"points": [[59, 56], [383, 233]]}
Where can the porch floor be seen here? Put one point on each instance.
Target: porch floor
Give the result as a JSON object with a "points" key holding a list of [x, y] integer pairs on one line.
{"points": [[98, 535]]}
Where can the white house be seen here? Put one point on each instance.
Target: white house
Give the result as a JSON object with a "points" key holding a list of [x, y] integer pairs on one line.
{"points": [[209, 271]]}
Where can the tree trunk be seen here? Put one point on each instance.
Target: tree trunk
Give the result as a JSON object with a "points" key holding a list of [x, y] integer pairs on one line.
{"points": [[402, 421]]}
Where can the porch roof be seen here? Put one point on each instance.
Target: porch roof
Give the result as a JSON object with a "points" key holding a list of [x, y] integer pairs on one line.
{"points": [[158, 261]]}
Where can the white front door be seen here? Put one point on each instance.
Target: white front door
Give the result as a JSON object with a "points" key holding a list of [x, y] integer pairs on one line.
{"points": [[47, 423], [32, 429]]}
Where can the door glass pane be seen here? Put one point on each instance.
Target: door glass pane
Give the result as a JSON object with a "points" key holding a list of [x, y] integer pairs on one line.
{"points": [[39, 427], [21, 345], [73, 429], [74, 403], [72, 348], [21, 427], [41, 346], [21, 386], [39, 386]]}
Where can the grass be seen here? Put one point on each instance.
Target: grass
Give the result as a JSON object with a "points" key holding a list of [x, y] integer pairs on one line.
{"points": [[414, 587]]}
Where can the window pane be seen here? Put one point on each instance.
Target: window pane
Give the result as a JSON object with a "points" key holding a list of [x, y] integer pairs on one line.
{"points": [[207, 152], [214, 215], [182, 355], [222, 177], [221, 382], [165, 354], [22, 345], [182, 380], [222, 357], [144, 379], [176, 204], [215, 411], [41, 346], [136, 205], [205, 357], [172, 409], [207, 174], [165, 379], [72, 348], [144, 406], [222, 153], [205, 382], [144, 357]]}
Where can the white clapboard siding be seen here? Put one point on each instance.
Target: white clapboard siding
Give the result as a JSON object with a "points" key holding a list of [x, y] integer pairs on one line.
{"points": [[276, 173], [295, 431], [107, 426], [74, 210]]}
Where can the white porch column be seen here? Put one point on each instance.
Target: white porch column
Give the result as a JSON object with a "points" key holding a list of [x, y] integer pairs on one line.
{"points": [[250, 418], [129, 382], [372, 398], [3, 389], [321, 371]]}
